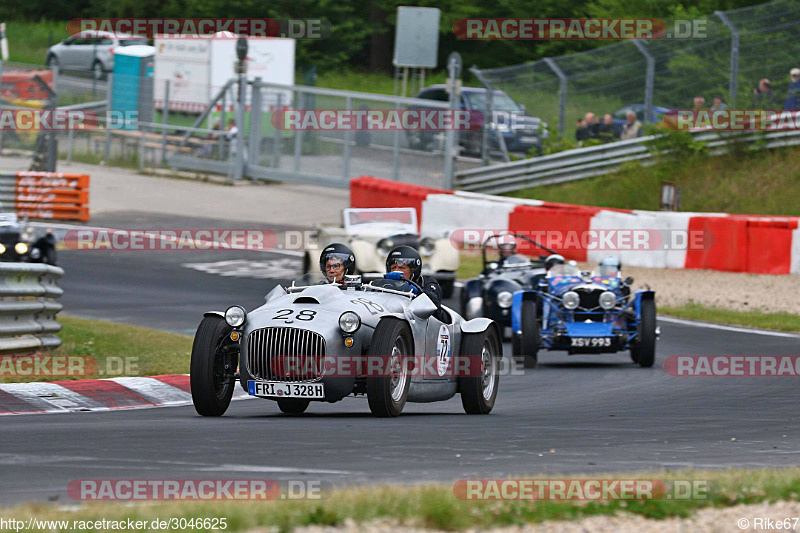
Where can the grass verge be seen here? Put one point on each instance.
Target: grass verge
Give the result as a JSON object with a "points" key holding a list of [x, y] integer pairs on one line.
{"points": [[119, 350], [708, 184], [756, 319], [436, 506]]}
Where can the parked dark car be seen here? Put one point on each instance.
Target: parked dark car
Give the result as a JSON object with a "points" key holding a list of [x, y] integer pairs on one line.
{"points": [[520, 132], [20, 243]]}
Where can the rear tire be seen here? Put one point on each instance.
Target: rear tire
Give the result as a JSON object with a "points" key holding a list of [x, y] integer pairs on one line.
{"points": [[210, 394], [647, 335], [387, 395], [98, 72], [53, 64], [478, 393], [529, 339], [292, 406]]}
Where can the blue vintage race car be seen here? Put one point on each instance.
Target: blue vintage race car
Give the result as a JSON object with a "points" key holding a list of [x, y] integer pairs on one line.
{"points": [[583, 312]]}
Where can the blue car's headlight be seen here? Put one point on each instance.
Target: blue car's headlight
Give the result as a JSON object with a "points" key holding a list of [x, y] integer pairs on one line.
{"points": [[608, 300], [571, 300]]}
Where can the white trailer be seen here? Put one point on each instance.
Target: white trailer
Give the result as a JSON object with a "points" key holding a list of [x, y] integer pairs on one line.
{"points": [[198, 67]]}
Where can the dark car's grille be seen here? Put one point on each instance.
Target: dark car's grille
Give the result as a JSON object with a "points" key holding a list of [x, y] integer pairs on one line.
{"points": [[286, 354], [405, 239]]}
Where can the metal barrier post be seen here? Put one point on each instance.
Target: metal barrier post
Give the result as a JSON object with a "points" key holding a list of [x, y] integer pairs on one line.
{"points": [[276, 138], [649, 80], [107, 149], [69, 145], [165, 121], [562, 93], [454, 82], [298, 134], [238, 140], [142, 142], [733, 87], [396, 146], [254, 144], [348, 139]]}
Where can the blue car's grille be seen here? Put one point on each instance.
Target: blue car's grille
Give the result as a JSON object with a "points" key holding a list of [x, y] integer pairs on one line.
{"points": [[286, 354]]}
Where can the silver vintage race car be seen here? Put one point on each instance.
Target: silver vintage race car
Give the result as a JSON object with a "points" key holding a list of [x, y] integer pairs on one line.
{"points": [[372, 233], [323, 342]]}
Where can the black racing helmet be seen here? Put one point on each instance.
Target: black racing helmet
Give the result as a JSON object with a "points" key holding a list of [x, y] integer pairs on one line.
{"points": [[408, 256], [338, 251], [554, 259]]}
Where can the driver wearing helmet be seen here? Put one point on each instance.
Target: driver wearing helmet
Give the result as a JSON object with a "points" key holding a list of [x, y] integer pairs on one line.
{"points": [[507, 246], [610, 266], [404, 262], [336, 261]]}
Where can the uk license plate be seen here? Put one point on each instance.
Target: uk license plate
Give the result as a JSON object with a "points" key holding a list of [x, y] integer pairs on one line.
{"points": [[591, 342], [278, 389]]}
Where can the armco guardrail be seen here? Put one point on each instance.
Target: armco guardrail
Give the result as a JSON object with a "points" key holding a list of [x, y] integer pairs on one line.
{"points": [[28, 307], [583, 163], [52, 195]]}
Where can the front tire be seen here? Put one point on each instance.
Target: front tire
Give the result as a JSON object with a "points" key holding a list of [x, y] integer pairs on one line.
{"points": [[53, 64], [387, 395], [211, 390], [646, 350], [292, 406], [98, 71], [527, 343], [478, 393]]}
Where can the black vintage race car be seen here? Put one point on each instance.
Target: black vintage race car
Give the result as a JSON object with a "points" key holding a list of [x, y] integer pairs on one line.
{"points": [[22, 243], [490, 294]]}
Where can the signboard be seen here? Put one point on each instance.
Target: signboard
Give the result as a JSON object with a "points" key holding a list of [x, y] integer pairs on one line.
{"points": [[416, 38]]}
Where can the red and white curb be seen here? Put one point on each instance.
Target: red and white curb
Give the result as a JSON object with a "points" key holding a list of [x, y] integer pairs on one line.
{"points": [[98, 395]]}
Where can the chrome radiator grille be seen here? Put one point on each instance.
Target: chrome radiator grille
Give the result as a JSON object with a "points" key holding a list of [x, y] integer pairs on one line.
{"points": [[285, 354]]}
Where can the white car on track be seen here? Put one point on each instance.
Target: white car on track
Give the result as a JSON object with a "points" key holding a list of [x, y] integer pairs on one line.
{"points": [[372, 233]]}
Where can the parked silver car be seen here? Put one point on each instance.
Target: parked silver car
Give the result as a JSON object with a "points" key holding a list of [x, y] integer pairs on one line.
{"points": [[89, 50]]}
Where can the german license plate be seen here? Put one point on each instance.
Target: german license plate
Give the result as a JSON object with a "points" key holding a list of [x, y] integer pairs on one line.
{"points": [[278, 389], [591, 342], [527, 139]]}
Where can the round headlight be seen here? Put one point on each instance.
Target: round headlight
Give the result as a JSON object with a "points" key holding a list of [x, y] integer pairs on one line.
{"points": [[608, 300], [21, 248], [349, 322], [385, 246], [2, 249], [35, 253], [571, 299], [427, 246], [235, 316], [504, 299]]}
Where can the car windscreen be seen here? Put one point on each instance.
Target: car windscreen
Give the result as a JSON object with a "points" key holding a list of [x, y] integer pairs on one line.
{"points": [[387, 216], [501, 102], [132, 42]]}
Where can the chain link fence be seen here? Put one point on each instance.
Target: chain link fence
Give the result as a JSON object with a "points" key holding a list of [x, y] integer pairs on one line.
{"points": [[741, 47]]}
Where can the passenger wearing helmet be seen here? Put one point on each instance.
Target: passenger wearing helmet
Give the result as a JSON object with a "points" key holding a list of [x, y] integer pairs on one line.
{"points": [[554, 259], [507, 246], [406, 262], [610, 266], [336, 261]]}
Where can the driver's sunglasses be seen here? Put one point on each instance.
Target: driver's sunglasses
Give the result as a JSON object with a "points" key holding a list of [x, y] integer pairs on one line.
{"points": [[334, 266]]}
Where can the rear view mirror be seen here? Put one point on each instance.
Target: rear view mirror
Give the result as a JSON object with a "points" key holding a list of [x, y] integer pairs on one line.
{"points": [[629, 281]]}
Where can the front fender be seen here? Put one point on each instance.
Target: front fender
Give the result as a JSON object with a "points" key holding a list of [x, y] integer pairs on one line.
{"points": [[367, 257], [478, 325], [220, 314]]}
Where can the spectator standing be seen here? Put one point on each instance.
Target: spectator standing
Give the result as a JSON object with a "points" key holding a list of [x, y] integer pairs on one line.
{"points": [[606, 132], [632, 127], [719, 104], [793, 97], [592, 125], [581, 131], [699, 102], [763, 96]]}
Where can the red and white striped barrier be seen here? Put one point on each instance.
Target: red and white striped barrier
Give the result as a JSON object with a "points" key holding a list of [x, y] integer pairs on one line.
{"points": [[734, 243], [98, 394]]}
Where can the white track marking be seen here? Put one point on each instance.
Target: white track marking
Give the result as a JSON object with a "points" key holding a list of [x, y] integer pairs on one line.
{"points": [[709, 325], [156, 391]]}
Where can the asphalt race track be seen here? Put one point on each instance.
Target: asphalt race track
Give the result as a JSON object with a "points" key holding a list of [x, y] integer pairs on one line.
{"points": [[574, 414]]}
